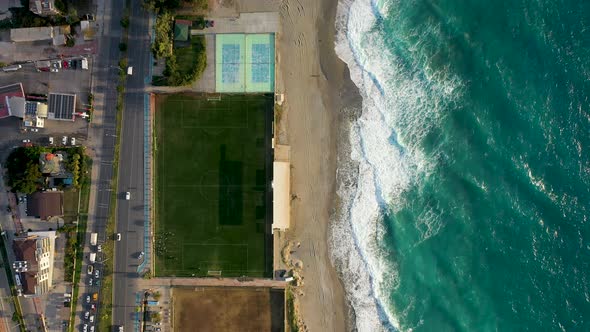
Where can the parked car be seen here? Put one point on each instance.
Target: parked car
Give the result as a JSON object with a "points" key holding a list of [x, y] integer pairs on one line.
{"points": [[86, 315], [92, 319], [92, 328], [127, 195], [73, 141], [35, 130], [90, 269], [54, 70], [65, 64], [118, 236], [51, 140], [99, 248], [140, 255], [93, 307], [64, 140], [90, 282], [85, 328], [97, 274], [87, 298]]}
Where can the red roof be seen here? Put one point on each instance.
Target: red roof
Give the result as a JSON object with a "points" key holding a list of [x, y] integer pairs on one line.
{"points": [[13, 90], [183, 22], [49, 156]]}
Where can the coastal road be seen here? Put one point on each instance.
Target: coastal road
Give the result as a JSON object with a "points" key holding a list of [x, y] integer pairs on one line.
{"points": [[130, 213], [101, 139]]}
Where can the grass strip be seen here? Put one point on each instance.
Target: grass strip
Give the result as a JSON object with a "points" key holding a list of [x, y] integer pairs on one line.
{"points": [[291, 311], [18, 311], [82, 222]]}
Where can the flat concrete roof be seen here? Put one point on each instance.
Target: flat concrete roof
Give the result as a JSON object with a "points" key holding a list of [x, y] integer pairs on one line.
{"points": [[281, 201], [31, 34], [261, 22], [13, 90]]}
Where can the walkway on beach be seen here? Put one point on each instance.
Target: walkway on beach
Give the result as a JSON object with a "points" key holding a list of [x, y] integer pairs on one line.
{"points": [[213, 282]]}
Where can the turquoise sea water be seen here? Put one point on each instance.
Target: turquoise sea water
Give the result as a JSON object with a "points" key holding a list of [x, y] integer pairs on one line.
{"points": [[470, 209]]}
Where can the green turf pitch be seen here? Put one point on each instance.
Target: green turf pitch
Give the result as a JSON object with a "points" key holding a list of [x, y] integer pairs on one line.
{"points": [[211, 174]]}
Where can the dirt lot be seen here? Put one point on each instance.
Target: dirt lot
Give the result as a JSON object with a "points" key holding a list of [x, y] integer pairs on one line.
{"points": [[228, 309]]}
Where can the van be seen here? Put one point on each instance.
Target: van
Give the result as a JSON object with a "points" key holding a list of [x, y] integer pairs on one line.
{"points": [[12, 68]]}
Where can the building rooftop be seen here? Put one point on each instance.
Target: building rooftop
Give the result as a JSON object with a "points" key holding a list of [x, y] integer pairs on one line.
{"points": [[281, 200], [31, 34], [181, 30], [13, 90], [45, 204], [61, 106]]}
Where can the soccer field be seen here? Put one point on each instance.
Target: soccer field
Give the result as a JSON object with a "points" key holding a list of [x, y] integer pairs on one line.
{"points": [[212, 178]]}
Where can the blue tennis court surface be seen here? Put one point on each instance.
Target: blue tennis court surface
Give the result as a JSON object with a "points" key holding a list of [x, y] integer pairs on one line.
{"points": [[244, 62]]}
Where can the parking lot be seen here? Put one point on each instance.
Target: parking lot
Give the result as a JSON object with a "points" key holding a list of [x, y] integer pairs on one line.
{"points": [[73, 81]]}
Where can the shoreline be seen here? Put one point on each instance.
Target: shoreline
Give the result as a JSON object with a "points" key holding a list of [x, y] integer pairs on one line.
{"points": [[320, 101]]}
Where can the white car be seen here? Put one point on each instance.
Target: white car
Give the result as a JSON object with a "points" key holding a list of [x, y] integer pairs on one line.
{"points": [[118, 236], [140, 255], [92, 319], [73, 141], [85, 328], [90, 282], [51, 140], [26, 141], [87, 298], [35, 130], [92, 328], [99, 248], [86, 314], [127, 195], [97, 274], [64, 140]]}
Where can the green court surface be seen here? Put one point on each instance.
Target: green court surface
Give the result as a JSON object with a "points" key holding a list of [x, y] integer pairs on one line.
{"points": [[244, 62], [212, 159]]}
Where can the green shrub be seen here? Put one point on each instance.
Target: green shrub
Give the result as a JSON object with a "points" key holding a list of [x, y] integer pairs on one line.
{"points": [[162, 47], [125, 21], [122, 47]]}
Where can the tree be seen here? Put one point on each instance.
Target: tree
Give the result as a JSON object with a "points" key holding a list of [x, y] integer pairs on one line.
{"points": [[162, 47], [125, 21]]}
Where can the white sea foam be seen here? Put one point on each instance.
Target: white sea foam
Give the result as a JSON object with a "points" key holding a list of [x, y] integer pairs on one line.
{"points": [[399, 109]]}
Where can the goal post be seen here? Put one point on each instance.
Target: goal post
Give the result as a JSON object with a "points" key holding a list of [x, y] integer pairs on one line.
{"points": [[215, 273], [214, 97]]}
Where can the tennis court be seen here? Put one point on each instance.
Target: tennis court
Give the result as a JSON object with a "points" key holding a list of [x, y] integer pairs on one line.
{"points": [[245, 62], [212, 185]]}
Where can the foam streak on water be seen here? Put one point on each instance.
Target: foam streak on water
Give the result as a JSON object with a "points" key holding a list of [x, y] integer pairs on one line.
{"points": [[400, 104]]}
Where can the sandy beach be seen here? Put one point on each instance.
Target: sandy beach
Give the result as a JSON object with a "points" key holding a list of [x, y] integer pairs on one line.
{"points": [[315, 82]]}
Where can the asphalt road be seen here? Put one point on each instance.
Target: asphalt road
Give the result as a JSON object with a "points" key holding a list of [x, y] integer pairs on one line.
{"points": [[130, 214], [101, 140]]}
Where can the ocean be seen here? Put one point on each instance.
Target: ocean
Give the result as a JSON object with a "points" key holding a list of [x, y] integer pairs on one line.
{"points": [[464, 187]]}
